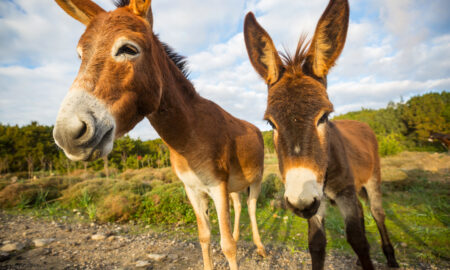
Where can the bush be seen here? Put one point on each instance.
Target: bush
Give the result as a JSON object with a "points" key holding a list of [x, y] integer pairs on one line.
{"points": [[390, 144], [166, 204], [270, 188]]}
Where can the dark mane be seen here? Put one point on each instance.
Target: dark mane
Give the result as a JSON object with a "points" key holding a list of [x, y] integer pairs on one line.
{"points": [[294, 62], [121, 3], [179, 60]]}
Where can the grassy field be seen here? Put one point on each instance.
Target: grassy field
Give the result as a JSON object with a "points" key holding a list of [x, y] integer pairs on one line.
{"points": [[416, 194]]}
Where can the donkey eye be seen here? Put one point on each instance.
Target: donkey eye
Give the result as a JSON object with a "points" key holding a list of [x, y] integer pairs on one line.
{"points": [[127, 49], [323, 119], [271, 124]]}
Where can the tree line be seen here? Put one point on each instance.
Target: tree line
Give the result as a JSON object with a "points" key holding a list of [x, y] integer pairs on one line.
{"points": [[400, 126], [32, 148]]}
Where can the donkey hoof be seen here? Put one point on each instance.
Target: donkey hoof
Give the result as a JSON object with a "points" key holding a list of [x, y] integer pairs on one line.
{"points": [[261, 252], [393, 264]]}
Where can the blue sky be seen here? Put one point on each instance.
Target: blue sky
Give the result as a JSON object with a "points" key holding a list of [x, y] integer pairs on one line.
{"points": [[394, 49]]}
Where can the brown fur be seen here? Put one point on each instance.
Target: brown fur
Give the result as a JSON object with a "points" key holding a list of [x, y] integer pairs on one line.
{"points": [[343, 154], [222, 153], [444, 139]]}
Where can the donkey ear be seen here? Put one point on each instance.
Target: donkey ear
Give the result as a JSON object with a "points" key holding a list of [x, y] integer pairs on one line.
{"points": [[261, 51], [328, 40], [80, 10], [140, 7]]}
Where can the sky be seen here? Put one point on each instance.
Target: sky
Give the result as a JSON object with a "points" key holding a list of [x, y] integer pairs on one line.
{"points": [[394, 50]]}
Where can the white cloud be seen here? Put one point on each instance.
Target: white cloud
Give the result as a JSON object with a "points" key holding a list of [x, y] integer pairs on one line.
{"points": [[393, 49]]}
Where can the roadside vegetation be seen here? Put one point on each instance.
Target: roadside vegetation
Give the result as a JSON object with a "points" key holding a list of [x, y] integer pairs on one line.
{"points": [[415, 193]]}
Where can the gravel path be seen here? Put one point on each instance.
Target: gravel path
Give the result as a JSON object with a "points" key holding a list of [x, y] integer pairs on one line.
{"points": [[36, 243]]}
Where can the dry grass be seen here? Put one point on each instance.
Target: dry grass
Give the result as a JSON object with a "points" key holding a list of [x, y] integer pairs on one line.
{"points": [[435, 166]]}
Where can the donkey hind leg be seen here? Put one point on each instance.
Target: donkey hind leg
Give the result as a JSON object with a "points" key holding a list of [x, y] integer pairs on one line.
{"points": [[200, 202], [317, 240], [348, 205], [235, 197], [255, 189], [373, 189], [219, 195]]}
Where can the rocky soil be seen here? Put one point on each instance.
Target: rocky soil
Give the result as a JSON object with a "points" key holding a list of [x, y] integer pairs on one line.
{"points": [[28, 242]]}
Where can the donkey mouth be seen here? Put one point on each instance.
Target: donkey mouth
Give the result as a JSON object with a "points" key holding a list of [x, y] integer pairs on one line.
{"points": [[307, 212], [92, 150]]}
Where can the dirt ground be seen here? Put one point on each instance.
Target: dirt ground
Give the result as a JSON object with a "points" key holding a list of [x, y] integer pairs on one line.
{"points": [[36, 243]]}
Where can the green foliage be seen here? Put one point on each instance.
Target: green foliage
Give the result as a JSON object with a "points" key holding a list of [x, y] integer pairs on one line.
{"points": [[407, 126], [390, 144], [32, 148], [166, 204], [269, 147]]}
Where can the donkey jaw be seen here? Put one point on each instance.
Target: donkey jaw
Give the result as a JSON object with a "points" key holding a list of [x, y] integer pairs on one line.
{"points": [[84, 127], [302, 191]]}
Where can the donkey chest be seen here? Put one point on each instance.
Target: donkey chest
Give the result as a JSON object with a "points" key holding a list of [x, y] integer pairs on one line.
{"points": [[198, 181]]}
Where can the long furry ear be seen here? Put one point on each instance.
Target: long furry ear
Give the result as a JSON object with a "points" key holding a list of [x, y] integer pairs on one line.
{"points": [[81, 10], [140, 7], [329, 39], [261, 51]]}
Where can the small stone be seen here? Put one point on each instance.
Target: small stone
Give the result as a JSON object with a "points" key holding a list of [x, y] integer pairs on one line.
{"points": [[12, 247], [173, 257], [156, 257], [98, 236], [24, 234], [111, 238], [42, 242], [142, 263]]}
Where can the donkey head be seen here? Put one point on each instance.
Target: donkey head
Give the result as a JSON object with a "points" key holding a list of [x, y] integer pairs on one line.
{"points": [[298, 104], [111, 92]]}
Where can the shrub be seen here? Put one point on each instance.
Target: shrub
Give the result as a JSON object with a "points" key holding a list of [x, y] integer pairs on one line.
{"points": [[166, 204], [271, 186], [390, 144]]}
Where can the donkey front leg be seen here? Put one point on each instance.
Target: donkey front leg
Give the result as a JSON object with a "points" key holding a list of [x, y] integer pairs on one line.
{"points": [[349, 207], [199, 201], [219, 195], [317, 240]]}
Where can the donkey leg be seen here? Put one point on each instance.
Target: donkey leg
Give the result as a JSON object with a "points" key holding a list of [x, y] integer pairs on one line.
{"points": [[219, 195], [199, 202], [373, 189], [348, 205], [255, 189], [237, 213], [317, 240]]}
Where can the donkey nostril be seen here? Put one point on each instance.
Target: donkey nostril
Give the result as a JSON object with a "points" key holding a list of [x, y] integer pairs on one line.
{"points": [[82, 130]]}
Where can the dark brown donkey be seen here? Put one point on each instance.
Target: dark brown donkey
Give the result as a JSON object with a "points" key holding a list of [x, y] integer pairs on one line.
{"points": [[338, 158], [127, 74]]}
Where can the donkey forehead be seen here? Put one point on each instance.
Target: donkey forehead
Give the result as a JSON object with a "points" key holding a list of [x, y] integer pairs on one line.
{"points": [[298, 100], [119, 22]]}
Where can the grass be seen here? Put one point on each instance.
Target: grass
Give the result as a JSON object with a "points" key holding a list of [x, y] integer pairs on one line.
{"points": [[416, 192]]}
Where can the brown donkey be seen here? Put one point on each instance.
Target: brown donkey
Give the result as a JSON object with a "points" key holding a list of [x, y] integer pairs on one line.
{"points": [[127, 74], [338, 158]]}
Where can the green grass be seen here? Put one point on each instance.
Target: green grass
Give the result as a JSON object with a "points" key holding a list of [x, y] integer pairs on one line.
{"points": [[417, 207]]}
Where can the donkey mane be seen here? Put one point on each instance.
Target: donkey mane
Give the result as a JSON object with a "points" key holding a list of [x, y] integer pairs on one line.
{"points": [[294, 62], [121, 3]]}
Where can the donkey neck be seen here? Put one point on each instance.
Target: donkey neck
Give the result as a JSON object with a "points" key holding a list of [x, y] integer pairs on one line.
{"points": [[174, 117]]}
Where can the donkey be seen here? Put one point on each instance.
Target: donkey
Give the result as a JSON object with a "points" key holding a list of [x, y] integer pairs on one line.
{"points": [[444, 139], [127, 74], [316, 156]]}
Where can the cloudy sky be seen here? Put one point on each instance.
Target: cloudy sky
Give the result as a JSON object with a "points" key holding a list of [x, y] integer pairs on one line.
{"points": [[394, 49]]}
